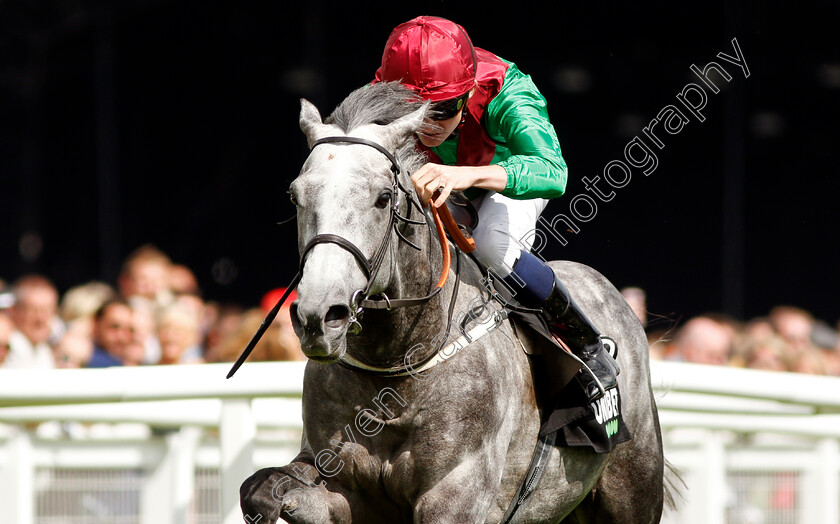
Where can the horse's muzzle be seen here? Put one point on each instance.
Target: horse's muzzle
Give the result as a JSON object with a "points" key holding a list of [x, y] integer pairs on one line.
{"points": [[321, 329]]}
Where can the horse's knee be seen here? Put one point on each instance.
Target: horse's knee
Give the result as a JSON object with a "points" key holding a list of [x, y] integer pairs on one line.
{"points": [[252, 484], [256, 495]]}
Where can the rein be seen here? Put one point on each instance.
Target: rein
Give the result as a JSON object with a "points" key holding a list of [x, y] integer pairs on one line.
{"points": [[361, 299]]}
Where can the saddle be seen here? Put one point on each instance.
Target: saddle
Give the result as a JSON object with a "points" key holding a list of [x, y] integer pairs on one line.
{"points": [[566, 413], [565, 408], [463, 212]]}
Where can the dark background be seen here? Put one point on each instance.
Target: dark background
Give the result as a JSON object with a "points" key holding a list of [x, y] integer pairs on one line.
{"points": [[175, 123]]}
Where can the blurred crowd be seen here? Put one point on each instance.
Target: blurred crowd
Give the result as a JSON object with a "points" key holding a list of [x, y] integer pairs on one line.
{"points": [[154, 314], [788, 338]]}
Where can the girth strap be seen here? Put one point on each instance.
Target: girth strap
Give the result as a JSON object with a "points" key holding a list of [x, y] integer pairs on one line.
{"points": [[539, 461]]}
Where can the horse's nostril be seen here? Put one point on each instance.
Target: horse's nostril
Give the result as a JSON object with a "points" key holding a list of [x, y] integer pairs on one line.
{"points": [[296, 321], [337, 316]]}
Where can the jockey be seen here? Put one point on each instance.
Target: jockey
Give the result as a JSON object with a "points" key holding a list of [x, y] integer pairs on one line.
{"points": [[489, 135]]}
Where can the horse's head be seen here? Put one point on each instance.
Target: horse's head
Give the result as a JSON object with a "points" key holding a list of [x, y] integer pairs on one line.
{"points": [[345, 195]]}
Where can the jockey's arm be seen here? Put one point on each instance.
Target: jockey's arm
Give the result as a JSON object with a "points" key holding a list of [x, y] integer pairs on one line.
{"points": [[430, 177], [517, 119]]}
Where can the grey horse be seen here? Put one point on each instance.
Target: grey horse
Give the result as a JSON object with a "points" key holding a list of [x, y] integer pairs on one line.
{"points": [[450, 444]]}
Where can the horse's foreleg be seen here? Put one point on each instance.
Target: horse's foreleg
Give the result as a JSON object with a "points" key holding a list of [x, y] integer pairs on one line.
{"points": [[273, 493], [465, 496]]}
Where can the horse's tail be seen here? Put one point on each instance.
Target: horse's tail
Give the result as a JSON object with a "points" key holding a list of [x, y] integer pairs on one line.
{"points": [[674, 486]]}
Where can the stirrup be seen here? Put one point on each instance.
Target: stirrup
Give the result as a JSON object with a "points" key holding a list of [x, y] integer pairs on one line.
{"points": [[601, 389], [611, 349]]}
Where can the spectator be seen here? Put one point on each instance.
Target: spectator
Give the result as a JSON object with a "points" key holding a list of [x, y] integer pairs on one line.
{"points": [[182, 280], [702, 341], [135, 351], [658, 342], [33, 315], [227, 320], [768, 354], [271, 347], [235, 342], [288, 347], [794, 325], [145, 274], [145, 329], [636, 298], [82, 301], [832, 362], [195, 305], [758, 328], [178, 333], [112, 333], [75, 348], [184, 287], [6, 328], [812, 362]]}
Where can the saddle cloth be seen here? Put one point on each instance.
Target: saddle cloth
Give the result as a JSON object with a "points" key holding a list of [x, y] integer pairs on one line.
{"points": [[564, 406]]}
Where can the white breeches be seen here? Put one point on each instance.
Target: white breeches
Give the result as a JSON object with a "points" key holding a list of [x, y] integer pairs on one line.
{"points": [[505, 228]]}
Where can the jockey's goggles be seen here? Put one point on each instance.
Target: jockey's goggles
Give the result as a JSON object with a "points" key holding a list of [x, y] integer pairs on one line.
{"points": [[449, 108]]}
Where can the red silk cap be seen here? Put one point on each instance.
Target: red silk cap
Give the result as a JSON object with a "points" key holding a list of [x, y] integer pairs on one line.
{"points": [[430, 55]]}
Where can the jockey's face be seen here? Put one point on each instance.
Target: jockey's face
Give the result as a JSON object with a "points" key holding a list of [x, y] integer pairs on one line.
{"points": [[435, 132]]}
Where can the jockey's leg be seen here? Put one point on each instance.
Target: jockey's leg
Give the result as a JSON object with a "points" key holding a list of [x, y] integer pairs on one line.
{"points": [[568, 321], [503, 245]]}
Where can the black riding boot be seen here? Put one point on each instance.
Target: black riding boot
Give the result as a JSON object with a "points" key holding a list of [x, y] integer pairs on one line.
{"points": [[536, 286], [584, 340]]}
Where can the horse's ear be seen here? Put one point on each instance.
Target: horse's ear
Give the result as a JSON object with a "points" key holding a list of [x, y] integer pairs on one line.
{"points": [[310, 120], [399, 130]]}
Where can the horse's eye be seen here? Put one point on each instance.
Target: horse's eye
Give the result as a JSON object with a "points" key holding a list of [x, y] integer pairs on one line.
{"points": [[383, 200]]}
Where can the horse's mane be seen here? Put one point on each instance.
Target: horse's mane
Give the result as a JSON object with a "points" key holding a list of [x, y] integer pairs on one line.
{"points": [[381, 103]]}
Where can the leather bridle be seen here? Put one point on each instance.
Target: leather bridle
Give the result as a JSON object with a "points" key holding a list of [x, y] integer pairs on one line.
{"points": [[362, 299]]}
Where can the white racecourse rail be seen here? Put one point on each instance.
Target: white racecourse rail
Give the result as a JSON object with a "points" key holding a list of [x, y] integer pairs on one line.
{"points": [[754, 447]]}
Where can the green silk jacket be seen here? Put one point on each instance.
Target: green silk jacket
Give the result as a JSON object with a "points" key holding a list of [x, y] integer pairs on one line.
{"points": [[516, 120]]}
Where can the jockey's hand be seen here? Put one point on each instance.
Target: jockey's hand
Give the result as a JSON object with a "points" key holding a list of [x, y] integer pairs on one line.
{"points": [[431, 177]]}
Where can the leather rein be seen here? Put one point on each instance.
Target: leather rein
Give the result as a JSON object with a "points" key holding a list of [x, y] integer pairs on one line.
{"points": [[362, 299]]}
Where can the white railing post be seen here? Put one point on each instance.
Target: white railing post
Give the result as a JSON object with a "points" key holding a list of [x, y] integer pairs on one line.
{"points": [[169, 490], [828, 453], [17, 496], [156, 497], [713, 475], [183, 472], [237, 430]]}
